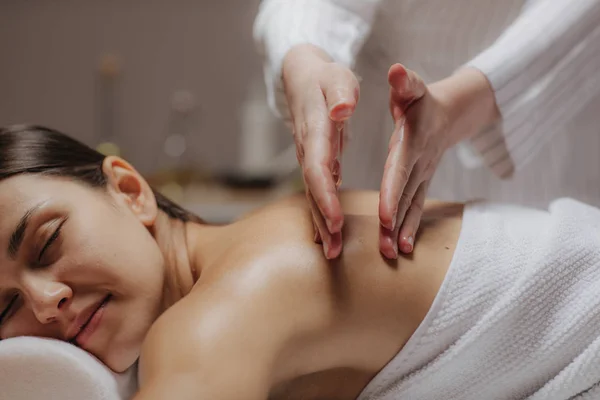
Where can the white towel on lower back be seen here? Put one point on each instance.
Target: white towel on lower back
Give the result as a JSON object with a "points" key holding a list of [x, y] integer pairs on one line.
{"points": [[518, 314], [34, 368]]}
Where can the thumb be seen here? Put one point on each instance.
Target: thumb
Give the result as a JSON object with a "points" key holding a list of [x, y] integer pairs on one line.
{"points": [[341, 90], [406, 85]]}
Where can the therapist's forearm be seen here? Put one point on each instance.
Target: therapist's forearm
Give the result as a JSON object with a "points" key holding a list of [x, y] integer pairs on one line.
{"points": [[470, 101]]}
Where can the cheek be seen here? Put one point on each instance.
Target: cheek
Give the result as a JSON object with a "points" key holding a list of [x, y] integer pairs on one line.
{"points": [[124, 270], [134, 260], [113, 251]]}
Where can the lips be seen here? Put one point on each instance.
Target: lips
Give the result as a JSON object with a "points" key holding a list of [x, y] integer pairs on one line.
{"points": [[84, 318]]}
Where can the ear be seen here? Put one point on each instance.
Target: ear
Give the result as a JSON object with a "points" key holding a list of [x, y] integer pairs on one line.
{"points": [[127, 184]]}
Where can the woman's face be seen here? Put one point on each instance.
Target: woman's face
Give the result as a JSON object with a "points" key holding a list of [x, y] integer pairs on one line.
{"points": [[72, 256]]}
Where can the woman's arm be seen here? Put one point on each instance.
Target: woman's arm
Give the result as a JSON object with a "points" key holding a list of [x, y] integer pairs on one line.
{"points": [[338, 27], [543, 69], [206, 363]]}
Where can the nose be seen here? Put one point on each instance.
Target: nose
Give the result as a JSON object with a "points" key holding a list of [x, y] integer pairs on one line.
{"points": [[48, 298]]}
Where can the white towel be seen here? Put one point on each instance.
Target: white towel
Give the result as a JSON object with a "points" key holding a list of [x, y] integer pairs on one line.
{"points": [[517, 317], [35, 368]]}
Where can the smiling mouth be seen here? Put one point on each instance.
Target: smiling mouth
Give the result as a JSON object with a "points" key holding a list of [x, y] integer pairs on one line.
{"points": [[83, 327]]}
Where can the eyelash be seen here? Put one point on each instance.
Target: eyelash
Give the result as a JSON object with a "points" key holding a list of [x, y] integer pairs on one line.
{"points": [[8, 308], [50, 241]]}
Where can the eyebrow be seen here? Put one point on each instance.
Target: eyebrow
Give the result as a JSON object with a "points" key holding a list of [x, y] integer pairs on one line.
{"points": [[16, 239]]}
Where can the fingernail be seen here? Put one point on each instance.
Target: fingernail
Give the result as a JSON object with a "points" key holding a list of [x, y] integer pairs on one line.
{"points": [[389, 249], [341, 111], [408, 244], [390, 255], [394, 221], [326, 249]]}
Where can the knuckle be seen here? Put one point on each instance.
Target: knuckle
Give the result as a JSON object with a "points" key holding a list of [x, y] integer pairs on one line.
{"points": [[300, 154], [304, 129], [299, 149], [416, 207], [403, 173], [405, 201], [296, 135], [429, 168]]}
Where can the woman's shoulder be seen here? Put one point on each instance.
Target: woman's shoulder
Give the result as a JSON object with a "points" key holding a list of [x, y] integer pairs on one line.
{"points": [[246, 299]]}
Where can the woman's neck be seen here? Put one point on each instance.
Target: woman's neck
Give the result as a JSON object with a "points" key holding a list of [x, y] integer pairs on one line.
{"points": [[186, 248]]}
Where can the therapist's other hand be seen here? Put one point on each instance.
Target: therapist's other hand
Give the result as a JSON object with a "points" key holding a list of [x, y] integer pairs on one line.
{"points": [[415, 148], [428, 120], [321, 96]]}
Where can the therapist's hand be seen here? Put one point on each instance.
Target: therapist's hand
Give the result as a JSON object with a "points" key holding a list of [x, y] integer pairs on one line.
{"points": [[428, 120], [415, 148], [321, 95]]}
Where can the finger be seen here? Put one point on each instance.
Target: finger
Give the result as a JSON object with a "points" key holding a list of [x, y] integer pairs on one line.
{"points": [[299, 148], [323, 187], [388, 246], [317, 237], [342, 136], [407, 196], [313, 212], [390, 240], [332, 243], [406, 84], [336, 169], [411, 223], [320, 147], [341, 90], [336, 172], [315, 215], [397, 107], [405, 202], [396, 174]]}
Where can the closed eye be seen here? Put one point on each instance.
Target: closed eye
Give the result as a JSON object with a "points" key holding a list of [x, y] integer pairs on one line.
{"points": [[8, 308], [51, 240]]}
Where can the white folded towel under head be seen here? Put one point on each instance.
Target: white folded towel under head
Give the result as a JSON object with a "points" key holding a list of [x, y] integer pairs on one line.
{"points": [[35, 368]]}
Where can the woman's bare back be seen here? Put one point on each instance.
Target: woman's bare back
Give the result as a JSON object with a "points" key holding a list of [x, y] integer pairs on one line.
{"points": [[344, 319]]}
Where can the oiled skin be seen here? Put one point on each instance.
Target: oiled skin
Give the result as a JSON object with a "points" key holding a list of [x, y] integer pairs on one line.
{"points": [[274, 319]]}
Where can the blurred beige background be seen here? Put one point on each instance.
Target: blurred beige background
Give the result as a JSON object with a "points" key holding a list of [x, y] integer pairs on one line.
{"points": [[51, 52]]}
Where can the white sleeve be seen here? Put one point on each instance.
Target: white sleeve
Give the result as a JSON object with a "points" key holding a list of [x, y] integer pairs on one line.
{"points": [[543, 69], [339, 27]]}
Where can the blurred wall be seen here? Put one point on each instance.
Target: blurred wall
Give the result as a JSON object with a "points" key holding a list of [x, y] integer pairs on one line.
{"points": [[50, 53]]}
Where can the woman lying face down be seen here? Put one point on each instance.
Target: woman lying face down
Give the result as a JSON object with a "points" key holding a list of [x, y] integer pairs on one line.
{"points": [[90, 254]]}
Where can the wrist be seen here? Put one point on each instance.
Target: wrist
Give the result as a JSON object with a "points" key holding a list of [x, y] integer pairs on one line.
{"points": [[469, 101]]}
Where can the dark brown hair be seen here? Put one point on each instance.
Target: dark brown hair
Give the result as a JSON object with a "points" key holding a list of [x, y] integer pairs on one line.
{"points": [[30, 149]]}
